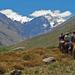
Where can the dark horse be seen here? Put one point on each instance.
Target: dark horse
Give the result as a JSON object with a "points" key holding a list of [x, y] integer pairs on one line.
{"points": [[66, 47], [61, 46]]}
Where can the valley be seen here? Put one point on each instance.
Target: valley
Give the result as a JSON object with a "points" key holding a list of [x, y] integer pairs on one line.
{"points": [[17, 52]]}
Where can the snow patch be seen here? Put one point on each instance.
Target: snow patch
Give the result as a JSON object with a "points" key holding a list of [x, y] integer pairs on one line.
{"points": [[55, 17], [15, 16], [51, 13], [44, 25]]}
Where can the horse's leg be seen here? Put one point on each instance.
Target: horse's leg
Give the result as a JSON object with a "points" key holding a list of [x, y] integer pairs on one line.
{"points": [[71, 50], [74, 53], [61, 47], [66, 48]]}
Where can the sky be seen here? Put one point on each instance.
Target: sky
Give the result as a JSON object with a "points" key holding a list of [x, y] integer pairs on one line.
{"points": [[26, 7]]}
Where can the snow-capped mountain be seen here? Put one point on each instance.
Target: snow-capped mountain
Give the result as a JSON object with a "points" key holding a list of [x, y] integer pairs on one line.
{"points": [[15, 27], [37, 26], [15, 16], [54, 17], [9, 31]]}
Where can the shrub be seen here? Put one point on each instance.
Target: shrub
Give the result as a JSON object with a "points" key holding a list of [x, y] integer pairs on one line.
{"points": [[3, 49], [2, 70], [18, 66], [27, 57], [32, 59]]}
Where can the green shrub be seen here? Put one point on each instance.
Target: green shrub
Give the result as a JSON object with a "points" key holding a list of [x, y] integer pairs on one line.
{"points": [[4, 49], [27, 57]]}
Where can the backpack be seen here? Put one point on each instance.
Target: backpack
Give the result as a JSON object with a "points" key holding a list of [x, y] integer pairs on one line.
{"points": [[67, 38]]}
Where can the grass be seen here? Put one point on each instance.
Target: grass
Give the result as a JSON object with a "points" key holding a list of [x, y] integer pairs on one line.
{"points": [[49, 39], [30, 62], [4, 49]]}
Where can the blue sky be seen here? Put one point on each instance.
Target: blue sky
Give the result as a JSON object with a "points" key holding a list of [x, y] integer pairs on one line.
{"points": [[25, 7]]}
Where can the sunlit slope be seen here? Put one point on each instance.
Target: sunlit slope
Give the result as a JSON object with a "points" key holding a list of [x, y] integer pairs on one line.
{"points": [[50, 39]]}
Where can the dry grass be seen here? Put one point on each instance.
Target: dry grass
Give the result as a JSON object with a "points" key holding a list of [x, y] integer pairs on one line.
{"points": [[30, 62]]}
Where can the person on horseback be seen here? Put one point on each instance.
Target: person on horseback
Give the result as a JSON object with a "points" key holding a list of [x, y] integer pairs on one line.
{"points": [[61, 37], [68, 43], [73, 37], [61, 42], [73, 42]]}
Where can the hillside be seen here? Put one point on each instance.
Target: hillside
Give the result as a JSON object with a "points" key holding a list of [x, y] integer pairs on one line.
{"points": [[14, 27], [12, 32], [9, 34], [49, 39], [29, 64], [42, 47]]}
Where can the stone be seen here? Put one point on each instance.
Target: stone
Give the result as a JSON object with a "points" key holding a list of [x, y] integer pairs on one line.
{"points": [[49, 60], [16, 72], [19, 48]]}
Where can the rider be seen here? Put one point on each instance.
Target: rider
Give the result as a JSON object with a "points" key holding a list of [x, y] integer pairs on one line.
{"points": [[68, 42], [73, 37], [67, 37], [61, 42], [61, 37]]}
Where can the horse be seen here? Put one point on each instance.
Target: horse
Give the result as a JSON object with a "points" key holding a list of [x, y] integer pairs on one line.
{"points": [[66, 47]]}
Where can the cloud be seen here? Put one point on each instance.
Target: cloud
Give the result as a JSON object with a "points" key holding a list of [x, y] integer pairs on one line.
{"points": [[15, 16]]}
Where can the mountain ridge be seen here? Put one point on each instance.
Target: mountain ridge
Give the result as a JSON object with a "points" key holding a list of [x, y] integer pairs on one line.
{"points": [[49, 39], [12, 32]]}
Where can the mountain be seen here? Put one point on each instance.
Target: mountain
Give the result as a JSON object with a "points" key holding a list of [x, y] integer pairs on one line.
{"points": [[36, 27], [9, 33], [55, 17], [13, 31], [15, 28], [15, 16], [50, 15], [49, 39]]}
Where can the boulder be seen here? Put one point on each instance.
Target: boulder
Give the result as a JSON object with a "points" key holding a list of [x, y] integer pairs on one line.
{"points": [[49, 60], [19, 48], [16, 72]]}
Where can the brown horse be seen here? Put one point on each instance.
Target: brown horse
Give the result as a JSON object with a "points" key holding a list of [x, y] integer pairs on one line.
{"points": [[66, 47], [73, 50]]}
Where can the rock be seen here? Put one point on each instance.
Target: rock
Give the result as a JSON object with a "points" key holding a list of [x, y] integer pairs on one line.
{"points": [[49, 60], [19, 48], [16, 72]]}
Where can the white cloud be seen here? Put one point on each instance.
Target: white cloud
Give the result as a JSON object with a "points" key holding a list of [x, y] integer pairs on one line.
{"points": [[15, 16]]}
